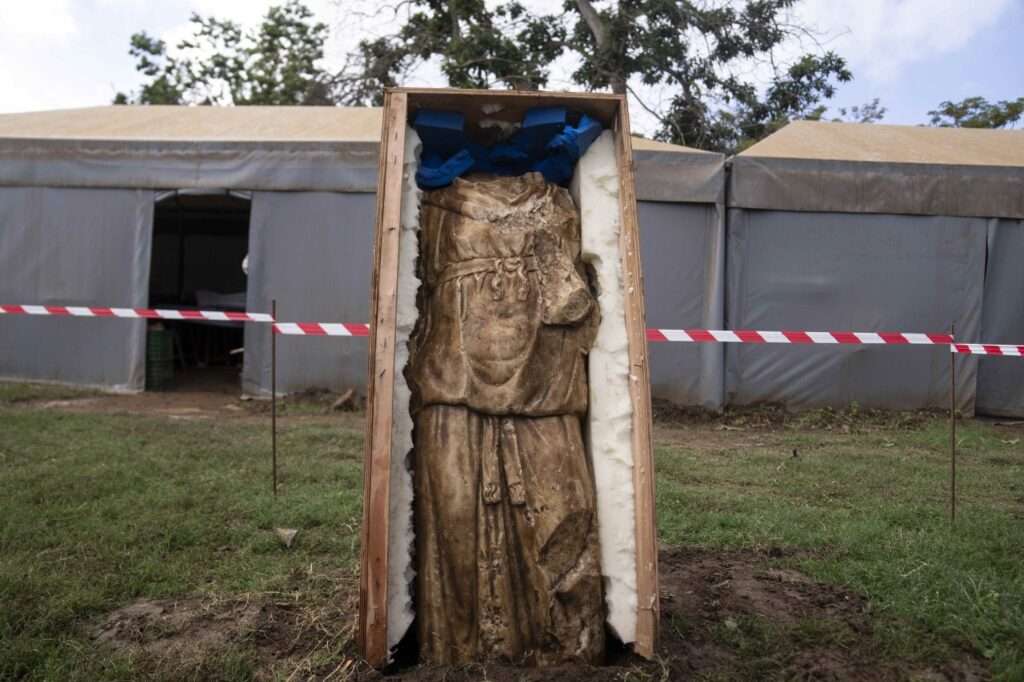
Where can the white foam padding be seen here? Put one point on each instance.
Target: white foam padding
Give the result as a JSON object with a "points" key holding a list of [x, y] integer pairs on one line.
{"points": [[401, 534], [609, 428], [595, 187]]}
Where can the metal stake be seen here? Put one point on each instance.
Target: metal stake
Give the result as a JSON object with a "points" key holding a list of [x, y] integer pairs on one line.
{"points": [[273, 391], [952, 427]]}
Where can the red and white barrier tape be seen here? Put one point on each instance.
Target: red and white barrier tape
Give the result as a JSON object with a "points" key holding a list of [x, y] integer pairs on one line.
{"points": [[988, 349], [653, 335], [796, 337], [681, 335], [148, 313], [321, 329]]}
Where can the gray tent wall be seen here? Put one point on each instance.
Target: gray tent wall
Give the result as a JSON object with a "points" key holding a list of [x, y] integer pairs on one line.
{"points": [[1001, 380], [68, 246], [838, 226], [682, 239], [861, 272], [310, 251]]}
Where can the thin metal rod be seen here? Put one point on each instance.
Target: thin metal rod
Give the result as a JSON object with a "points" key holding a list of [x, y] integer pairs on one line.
{"points": [[952, 430], [273, 392], [181, 248]]}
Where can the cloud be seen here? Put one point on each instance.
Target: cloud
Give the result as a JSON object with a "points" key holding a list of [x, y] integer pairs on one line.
{"points": [[881, 38], [36, 19], [249, 14], [25, 29]]}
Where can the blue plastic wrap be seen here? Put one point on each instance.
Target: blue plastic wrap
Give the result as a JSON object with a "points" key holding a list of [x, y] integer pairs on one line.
{"points": [[546, 143], [442, 132], [576, 141], [435, 173], [540, 124]]}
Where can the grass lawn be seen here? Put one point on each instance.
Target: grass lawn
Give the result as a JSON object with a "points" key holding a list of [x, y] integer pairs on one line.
{"points": [[872, 505], [103, 507]]}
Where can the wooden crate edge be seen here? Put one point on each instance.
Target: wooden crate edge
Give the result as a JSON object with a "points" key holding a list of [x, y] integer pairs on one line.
{"points": [[373, 579], [648, 607]]}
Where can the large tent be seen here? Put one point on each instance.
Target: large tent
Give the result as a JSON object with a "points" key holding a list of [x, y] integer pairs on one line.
{"points": [[86, 195], [876, 227], [681, 210]]}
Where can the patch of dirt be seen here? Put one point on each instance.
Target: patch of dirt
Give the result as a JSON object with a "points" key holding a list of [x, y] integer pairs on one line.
{"points": [[70, 402], [183, 630], [772, 417], [196, 405], [710, 437], [283, 632], [180, 405], [724, 615]]}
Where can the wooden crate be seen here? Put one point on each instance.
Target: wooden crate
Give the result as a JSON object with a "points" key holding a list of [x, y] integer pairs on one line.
{"points": [[399, 107]]}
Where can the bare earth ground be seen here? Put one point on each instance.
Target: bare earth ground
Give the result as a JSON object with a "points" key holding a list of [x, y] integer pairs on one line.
{"points": [[716, 611], [726, 613]]}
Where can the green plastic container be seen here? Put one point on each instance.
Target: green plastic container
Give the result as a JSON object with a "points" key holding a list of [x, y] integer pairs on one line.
{"points": [[159, 358]]}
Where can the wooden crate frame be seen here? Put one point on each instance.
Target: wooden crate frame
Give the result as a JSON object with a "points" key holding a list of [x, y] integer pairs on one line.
{"points": [[398, 104]]}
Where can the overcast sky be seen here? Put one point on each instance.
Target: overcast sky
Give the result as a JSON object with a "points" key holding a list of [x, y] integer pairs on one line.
{"points": [[910, 53]]}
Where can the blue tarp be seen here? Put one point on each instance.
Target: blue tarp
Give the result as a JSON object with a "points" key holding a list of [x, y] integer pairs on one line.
{"points": [[547, 142]]}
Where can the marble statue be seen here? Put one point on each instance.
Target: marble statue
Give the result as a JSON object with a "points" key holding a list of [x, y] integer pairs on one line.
{"points": [[507, 558]]}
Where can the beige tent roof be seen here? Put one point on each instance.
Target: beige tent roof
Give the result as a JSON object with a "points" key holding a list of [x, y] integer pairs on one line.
{"points": [[191, 124], [217, 124], [643, 144], [820, 140]]}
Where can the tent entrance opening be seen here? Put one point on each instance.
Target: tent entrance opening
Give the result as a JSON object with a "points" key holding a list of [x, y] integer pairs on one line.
{"points": [[199, 244]]}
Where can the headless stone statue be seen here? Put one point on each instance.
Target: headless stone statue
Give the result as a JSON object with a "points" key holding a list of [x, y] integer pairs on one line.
{"points": [[507, 553]]}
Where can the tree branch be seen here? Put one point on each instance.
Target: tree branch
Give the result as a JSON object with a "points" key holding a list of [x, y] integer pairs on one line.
{"points": [[600, 33]]}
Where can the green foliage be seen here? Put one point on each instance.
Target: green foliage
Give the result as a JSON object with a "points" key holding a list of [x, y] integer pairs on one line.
{"points": [[11, 393], [222, 64], [794, 94], [478, 47], [869, 112], [977, 112], [691, 50]]}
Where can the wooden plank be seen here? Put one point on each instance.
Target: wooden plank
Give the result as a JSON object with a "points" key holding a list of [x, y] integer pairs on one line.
{"points": [[437, 94], [364, 534], [373, 579], [640, 392], [513, 103]]}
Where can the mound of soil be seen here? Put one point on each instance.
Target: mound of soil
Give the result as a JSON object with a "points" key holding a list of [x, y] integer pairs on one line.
{"points": [[731, 615], [724, 615]]}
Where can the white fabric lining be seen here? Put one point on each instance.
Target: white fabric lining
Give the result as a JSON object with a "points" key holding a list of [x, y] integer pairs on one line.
{"points": [[609, 424]]}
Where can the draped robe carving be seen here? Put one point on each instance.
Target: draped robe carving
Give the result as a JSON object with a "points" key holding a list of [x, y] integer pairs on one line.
{"points": [[507, 554]]}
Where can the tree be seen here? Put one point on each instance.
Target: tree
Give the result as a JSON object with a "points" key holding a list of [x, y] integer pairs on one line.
{"points": [[691, 49], [694, 52], [869, 112], [222, 64], [478, 47], [977, 112]]}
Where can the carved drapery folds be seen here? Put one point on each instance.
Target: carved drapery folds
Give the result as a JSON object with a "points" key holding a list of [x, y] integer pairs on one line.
{"points": [[507, 552]]}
